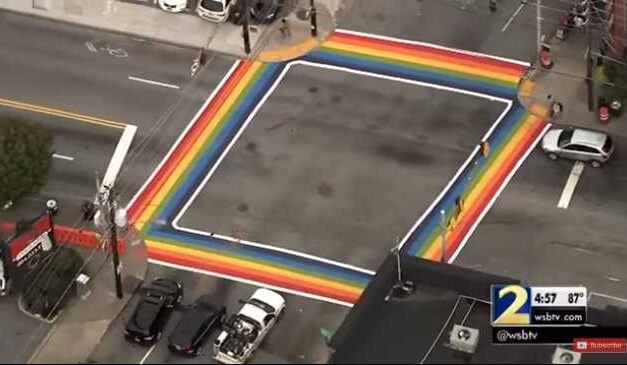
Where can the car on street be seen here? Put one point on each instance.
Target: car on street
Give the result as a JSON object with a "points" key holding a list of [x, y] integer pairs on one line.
{"points": [[155, 306], [265, 11], [195, 326], [245, 331], [173, 6], [215, 10], [578, 144]]}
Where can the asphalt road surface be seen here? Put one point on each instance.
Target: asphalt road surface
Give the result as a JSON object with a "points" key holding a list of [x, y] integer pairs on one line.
{"points": [[296, 338], [101, 75], [340, 165], [527, 236]]}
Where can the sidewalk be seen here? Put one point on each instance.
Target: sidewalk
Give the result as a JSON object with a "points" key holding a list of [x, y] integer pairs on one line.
{"points": [[80, 327], [565, 83], [276, 47], [184, 29]]}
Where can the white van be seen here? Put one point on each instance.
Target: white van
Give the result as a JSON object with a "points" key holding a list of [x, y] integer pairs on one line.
{"points": [[215, 10]]}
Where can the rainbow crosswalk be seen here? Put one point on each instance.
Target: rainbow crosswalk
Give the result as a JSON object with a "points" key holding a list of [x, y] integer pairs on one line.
{"points": [[230, 108]]}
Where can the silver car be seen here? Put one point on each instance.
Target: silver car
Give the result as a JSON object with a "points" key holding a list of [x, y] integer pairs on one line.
{"points": [[578, 144]]}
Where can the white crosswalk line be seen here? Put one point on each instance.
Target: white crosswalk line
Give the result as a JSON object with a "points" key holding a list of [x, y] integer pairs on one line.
{"points": [[571, 184]]}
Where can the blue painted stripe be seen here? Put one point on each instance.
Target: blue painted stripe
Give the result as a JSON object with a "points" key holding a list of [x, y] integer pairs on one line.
{"points": [[432, 222], [193, 240], [433, 77]]}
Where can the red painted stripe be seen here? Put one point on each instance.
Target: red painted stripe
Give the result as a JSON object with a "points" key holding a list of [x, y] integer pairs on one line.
{"points": [[190, 137], [488, 193], [244, 273], [478, 61]]}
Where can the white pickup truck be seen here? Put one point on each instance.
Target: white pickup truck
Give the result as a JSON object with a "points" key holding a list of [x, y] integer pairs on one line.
{"points": [[245, 331]]}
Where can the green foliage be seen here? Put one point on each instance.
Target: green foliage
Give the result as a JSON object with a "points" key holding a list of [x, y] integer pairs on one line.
{"points": [[25, 157], [617, 76]]}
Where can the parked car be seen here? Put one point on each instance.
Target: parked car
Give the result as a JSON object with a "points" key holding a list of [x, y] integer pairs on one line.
{"points": [[265, 11], [173, 6], [215, 10], [578, 144], [245, 331], [157, 302], [195, 326]]}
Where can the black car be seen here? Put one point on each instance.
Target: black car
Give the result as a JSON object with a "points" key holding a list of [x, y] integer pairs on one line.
{"points": [[195, 326], [157, 301], [265, 11]]}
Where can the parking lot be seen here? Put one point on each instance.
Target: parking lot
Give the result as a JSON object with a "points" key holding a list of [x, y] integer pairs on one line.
{"points": [[296, 338], [321, 172]]}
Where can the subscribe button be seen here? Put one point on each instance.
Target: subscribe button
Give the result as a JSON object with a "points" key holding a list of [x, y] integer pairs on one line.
{"points": [[600, 345]]}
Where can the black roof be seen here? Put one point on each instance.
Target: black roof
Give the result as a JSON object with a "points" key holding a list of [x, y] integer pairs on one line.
{"points": [[414, 329]]}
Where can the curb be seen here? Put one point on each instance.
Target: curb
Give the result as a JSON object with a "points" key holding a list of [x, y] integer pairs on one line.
{"points": [[289, 52], [526, 87]]}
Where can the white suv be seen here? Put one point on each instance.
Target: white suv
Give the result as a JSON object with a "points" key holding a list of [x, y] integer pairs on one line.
{"points": [[173, 6], [215, 10]]}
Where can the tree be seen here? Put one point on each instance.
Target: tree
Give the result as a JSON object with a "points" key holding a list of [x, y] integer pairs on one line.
{"points": [[25, 158]]}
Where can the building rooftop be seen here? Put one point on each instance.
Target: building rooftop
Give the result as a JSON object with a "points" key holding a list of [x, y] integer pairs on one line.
{"points": [[415, 329]]}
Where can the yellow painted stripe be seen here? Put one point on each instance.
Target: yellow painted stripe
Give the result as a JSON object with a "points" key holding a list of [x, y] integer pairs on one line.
{"points": [[254, 266], [423, 61], [61, 113], [189, 155], [434, 245], [288, 52]]}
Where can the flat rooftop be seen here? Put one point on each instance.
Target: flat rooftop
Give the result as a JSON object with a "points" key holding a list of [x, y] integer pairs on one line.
{"points": [[415, 329]]}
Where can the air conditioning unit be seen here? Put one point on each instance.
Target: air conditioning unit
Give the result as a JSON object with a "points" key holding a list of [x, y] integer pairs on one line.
{"points": [[464, 339], [564, 356]]}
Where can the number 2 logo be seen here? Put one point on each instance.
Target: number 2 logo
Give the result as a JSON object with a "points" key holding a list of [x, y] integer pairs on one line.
{"points": [[516, 312]]}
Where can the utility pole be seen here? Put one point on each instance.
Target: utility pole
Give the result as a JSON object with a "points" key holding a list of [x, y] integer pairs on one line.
{"points": [[245, 32], [314, 19], [589, 61], [117, 268], [105, 220], [538, 26], [443, 239]]}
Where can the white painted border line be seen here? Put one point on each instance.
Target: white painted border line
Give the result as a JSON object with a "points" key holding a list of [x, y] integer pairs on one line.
{"points": [[145, 357], [152, 82], [124, 144], [62, 157], [250, 282], [278, 249], [183, 134], [269, 91], [498, 193], [436, 46], [606, 296], [571, 184], [511, 19], [440, 196]]}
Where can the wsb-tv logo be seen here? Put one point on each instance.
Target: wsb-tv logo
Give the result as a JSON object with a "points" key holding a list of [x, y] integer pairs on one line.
{"points": [[511, 305]]}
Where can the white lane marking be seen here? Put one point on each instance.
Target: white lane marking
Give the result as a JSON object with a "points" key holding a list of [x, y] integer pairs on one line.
{"points": [[571, 184], [511, 19], [90, 46], [250, 282], [152, 82], [183, 134], [606, 296], [122, 148], [497, 194], [62, 157], [150, 350]]}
